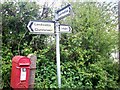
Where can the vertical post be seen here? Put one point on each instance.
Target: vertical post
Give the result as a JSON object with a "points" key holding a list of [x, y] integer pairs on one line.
{"points": [[58, 51], [33, 59], [1, 48], [119, 27], [119, 36]]}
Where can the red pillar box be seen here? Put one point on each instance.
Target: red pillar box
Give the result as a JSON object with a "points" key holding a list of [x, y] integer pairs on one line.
{"points": [[20, 72]]}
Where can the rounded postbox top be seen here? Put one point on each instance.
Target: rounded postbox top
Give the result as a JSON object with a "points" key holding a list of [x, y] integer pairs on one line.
{"points": [[21, 60]]}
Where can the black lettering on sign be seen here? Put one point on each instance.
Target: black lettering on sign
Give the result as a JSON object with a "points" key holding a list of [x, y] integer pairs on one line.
{"points": [[64, 28], [36, 29], [63, 12], [41, 24]]}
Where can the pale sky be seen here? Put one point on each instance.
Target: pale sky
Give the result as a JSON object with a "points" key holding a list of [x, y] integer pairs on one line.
{"points": [[57, 3]]}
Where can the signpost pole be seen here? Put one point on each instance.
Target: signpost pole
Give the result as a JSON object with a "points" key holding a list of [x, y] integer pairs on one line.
{"points": [[47, 27], [119, 35], [58, 51]]}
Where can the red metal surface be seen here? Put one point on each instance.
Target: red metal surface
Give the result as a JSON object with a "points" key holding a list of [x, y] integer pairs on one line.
{"points": [[20, 63]]}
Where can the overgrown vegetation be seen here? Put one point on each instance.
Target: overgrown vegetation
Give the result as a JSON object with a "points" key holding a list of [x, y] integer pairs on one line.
{"points": [[85, 53]]}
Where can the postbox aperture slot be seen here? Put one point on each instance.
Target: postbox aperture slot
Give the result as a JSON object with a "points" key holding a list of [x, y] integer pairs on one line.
{"points": [[24, 64]]}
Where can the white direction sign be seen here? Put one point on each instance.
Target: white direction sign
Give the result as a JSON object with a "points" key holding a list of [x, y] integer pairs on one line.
{"points": [[41, 27], [65, 11], [65, 28], [48, 27]]}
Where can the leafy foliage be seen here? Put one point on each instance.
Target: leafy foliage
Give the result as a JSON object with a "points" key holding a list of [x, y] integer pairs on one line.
{"points": [[15, 37], [86, 61]]}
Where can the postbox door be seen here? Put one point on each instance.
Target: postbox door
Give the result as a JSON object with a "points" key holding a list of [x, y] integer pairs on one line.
{"points": [[20, 72]]}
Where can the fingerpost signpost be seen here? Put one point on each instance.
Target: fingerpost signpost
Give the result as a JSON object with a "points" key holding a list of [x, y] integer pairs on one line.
{"points": [[53, 27]]}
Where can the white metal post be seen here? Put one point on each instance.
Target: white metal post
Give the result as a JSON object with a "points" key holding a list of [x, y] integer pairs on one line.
{"points": [[58, 51], [59, 14]]}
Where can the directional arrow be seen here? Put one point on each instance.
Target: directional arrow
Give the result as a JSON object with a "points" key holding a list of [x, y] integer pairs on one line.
{"points": [[29, 26], [41, 27]]}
